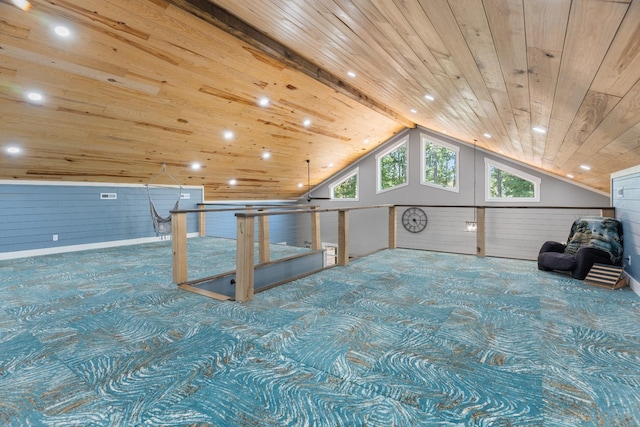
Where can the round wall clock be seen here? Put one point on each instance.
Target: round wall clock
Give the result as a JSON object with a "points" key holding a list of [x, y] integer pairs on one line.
{"points": [[414, 220]]}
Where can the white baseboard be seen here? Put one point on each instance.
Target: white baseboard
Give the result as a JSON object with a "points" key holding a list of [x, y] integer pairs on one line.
{"points": [[75, 248], [633, 284]]}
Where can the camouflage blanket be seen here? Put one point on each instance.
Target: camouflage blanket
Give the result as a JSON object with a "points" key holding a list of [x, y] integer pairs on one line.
{"points": [[597, 232]]}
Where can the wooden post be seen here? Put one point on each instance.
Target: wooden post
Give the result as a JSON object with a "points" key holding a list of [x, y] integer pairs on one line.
{"points": [[343, 237], [179, 247], [392, 228], [608, 212], [316, 240], [263, 238], [480, 232], [244, 259], [202, 221]]}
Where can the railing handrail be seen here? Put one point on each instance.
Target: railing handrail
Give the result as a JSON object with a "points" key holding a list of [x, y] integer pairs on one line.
{"points": [[355, 208], [241, 208], [506, 207]]}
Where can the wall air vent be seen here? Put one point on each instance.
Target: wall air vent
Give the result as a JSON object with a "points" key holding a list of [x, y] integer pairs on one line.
{"points": [[108, 196]]}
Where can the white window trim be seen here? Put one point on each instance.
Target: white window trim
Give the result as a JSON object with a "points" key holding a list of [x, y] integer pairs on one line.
{"points": [[380, 155], [487, 174], [336, 183], [456, 149]]}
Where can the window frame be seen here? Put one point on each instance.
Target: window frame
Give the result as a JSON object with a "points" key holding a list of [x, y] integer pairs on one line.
{"points": [[520, 174], [336, 183], [424, 140], [382, 154]]}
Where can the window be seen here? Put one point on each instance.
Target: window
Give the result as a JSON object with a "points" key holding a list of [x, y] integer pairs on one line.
{"points": [[347, 188], [439, 165], [393, 167], [507, 184]]}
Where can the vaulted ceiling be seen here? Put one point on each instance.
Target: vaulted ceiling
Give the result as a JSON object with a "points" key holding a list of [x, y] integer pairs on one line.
{"points": [[138, 83]]}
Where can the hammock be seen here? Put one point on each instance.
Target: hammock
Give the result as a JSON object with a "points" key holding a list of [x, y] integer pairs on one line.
{"points": [[162, 225]]}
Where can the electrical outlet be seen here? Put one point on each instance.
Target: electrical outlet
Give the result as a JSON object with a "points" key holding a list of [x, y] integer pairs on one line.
{"points": [[55, 237]]}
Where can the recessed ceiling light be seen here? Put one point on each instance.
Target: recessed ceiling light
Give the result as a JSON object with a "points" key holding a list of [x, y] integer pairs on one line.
{"points": [[12, 149], [22, 4], [228, 135], [351, 74], [366, 141], [300, 185], [264, 101], [306, 123], [569, 176], [430, 97], [233, 181], [539, 129], [414, 111], [487, 135], [585, 167], [330, 165], [35, 96], [266, 155], [62, 31], [195, 166]]}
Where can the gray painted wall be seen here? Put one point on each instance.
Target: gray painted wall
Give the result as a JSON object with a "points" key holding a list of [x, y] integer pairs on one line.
{"points": [[554, 191], [32, 213], [625, 190], [446, 226]]}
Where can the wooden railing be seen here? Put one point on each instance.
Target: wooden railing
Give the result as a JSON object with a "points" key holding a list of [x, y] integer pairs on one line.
{"points": [[245, 228], [245, 235]]}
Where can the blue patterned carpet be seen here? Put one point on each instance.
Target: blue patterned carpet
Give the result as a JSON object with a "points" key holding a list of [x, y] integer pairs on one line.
{"points": [[399, 338]]}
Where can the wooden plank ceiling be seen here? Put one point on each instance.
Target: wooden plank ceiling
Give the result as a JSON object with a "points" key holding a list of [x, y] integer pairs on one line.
{"points": [[139, 83]]}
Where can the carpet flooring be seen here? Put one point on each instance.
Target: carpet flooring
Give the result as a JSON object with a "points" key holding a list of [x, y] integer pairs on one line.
{"points": [[398, 338]]}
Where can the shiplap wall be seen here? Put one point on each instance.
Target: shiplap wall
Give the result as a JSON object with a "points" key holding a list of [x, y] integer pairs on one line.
{"points": [[282, 228], [31, 214], [625, 191], [510, 233]]}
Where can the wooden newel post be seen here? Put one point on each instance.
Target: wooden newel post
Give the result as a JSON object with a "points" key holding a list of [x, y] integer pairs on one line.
{"points": [[480, 232], [202, 221], [343, 238], [608, 212], [179, 247], [264, 253], [392, 228], [316, 240], [244, 258]]}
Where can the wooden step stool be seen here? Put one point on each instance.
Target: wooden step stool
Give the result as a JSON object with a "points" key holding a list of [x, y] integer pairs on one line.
{"points": [[606, 276]]}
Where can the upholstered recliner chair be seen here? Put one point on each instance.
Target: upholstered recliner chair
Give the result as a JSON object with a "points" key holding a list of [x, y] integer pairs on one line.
{"points": [[591, 240]]}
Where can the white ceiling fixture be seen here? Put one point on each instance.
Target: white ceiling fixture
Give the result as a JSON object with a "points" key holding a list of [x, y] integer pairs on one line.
{"points": [[539, 129], [13, 150], [62, 31], [266, 155], [487, 135], [22, 4], [351, 74], [430, 97], [228, 135], [306, 123], [233, 181], [585, 167], [35, 96], [264, 101], [196, 166]]}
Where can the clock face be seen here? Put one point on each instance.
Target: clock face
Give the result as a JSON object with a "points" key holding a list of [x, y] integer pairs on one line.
{"points": [[414, 220]]}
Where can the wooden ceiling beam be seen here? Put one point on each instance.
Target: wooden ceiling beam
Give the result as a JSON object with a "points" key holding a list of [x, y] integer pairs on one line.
{"points": [[229, 23]]}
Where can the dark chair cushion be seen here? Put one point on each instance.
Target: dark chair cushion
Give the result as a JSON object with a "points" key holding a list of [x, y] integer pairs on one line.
{"points": [[556, 261], [585, 258]]}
